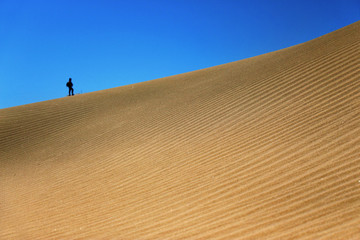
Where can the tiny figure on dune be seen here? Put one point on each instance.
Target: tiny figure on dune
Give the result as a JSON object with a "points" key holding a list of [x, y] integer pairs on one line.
{"points": [[70, 85]]}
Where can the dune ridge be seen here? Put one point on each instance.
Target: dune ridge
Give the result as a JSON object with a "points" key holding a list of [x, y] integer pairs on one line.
{"points": [[263, 148]]}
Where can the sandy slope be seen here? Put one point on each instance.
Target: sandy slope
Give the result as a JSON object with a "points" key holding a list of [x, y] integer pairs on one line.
{"points": [[263, 148]]}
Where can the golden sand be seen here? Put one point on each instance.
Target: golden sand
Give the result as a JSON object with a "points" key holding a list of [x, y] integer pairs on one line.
{"points": [[263, 148]]}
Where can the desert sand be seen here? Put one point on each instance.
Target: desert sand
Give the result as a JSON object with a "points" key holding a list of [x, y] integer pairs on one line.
{"points": [[263, 148]]}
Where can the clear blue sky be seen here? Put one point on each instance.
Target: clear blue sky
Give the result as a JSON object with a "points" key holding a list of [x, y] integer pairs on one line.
{"points": [[103, 44]]}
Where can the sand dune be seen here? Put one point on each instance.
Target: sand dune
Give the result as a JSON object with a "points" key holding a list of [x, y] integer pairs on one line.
{"points": [[263, 148]]}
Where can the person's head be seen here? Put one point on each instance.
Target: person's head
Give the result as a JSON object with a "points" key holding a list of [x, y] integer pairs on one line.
{"points": [[69, 79]]}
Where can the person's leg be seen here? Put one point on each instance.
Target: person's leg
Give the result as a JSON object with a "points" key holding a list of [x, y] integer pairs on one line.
{"points": [[69, 91], [72, 91]]}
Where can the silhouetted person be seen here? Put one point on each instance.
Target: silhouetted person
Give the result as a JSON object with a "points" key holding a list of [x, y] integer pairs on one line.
{"points": [[69, 84]]}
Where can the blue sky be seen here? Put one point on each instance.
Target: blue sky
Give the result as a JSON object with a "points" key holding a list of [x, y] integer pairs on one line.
{"points": [[103, 44]]}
